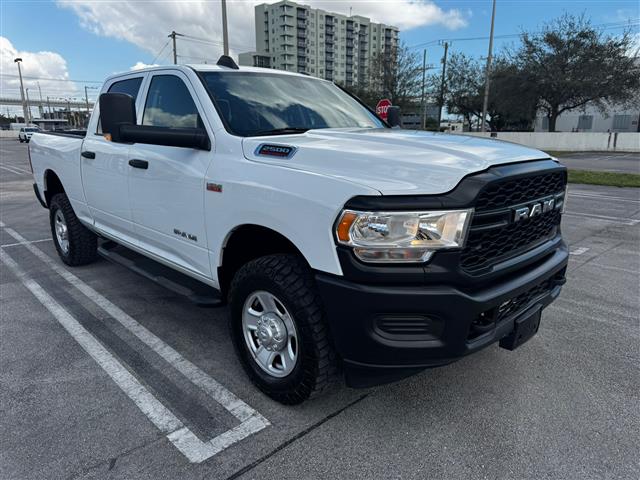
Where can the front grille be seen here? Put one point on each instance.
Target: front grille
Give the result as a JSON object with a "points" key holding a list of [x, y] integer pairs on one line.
{"points": [[485, 248], [503, 194], [493, 236]]}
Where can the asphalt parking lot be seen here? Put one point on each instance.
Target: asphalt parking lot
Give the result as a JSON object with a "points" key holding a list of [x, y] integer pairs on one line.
{"points": [[107, 375], [620, 162]]}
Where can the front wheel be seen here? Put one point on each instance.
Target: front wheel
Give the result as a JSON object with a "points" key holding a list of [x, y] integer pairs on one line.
{"points": [[76, 245], [279, 330]]}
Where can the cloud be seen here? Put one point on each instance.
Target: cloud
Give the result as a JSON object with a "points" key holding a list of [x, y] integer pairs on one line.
{"points": [[50, 67], [146, 24], [404, 14], [140, 65]]}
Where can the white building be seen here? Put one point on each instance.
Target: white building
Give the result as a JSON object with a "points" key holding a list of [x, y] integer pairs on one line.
{"points": [[298, 38], [614, 119]]}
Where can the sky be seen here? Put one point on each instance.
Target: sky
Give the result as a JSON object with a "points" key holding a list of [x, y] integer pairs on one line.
{"points": [[70, 44]]}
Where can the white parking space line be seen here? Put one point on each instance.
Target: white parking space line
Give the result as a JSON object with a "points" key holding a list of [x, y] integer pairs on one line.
{"points": [[26, 242], [579, 251], [620, 220], [603, 197], [144, 400], [190, 445], [15, 167], [12, 170]]}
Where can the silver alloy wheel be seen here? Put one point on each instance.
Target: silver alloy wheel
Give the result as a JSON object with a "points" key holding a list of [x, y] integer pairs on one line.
{"points": [[62, 233], [270, 334]]}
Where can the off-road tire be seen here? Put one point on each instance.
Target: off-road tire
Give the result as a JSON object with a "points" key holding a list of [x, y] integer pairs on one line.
{"points": [[83, 244], [289, 278]]}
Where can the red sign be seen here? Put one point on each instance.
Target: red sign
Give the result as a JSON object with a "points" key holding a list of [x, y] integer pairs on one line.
{"points": [[382, 108]]}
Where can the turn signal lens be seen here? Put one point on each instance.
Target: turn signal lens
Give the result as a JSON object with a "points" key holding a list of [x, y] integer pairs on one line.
{"points": [[345, 224]]}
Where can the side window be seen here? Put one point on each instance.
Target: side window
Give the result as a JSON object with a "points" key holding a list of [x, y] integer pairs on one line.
{"points": [[169, 104], [131, 86]]}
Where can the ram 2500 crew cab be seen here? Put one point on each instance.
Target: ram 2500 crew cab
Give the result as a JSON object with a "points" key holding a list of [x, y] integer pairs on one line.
{"points": [[339, 243]]}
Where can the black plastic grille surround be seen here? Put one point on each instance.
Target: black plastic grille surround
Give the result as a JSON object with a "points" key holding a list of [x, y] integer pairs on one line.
{"points": [[518, 303], [487, 246], [488, 320]]}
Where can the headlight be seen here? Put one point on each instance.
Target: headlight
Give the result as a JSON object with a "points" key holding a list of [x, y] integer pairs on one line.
{"points": [[402, 236]]}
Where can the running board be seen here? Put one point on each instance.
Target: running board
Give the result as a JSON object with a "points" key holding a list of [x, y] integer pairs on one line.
{"points": [[199, 293]]}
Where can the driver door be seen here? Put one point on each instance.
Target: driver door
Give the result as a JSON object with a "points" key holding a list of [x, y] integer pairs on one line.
{"points": [[167, 184]]}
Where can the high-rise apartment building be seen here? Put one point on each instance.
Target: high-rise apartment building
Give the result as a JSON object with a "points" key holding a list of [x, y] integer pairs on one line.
{"points": [[298, 38]]}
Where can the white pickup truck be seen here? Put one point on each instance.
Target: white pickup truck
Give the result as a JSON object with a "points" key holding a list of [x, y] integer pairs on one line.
{"points": [[339, 243]]}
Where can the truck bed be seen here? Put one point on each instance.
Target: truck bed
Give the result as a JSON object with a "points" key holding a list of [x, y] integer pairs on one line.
{"points": [[58, 153]]}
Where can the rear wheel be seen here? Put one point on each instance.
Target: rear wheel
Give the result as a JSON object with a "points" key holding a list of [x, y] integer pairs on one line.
{"points": [[279, 329], [76, 245]]}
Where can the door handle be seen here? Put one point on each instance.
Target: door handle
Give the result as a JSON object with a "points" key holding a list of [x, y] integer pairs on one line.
{"points": [[135, 163], [88, 154]]}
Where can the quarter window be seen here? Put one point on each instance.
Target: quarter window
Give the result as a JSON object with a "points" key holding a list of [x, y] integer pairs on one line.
{"points": [[169, 104], [130, 86]]}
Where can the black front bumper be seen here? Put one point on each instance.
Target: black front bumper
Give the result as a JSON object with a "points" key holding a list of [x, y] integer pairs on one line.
{"points": [[387, 332]]}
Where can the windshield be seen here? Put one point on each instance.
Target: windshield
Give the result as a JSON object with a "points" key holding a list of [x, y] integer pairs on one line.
{"points": [[30, 129], [266, 103]]}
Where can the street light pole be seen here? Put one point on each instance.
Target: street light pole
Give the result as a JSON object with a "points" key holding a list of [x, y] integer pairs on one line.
{"points": [[487, 73], [41, 106], [225, 36], [24, 105], [86, 97], [28, 107]]}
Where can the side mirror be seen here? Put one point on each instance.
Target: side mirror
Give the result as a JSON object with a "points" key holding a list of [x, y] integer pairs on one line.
{"points": [[170, 137], [393, 117], [116, 109]]}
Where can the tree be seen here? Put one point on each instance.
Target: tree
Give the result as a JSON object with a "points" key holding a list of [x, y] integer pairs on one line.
{"points": [[513, 100], [571, 64], [395, 74], [464, 87]]}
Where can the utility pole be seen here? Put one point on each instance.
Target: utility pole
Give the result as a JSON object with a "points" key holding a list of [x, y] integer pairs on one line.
{"points": [[487, 73], [225, 35], [423, 104], [173, 36], [442, 83], [24, 105]]}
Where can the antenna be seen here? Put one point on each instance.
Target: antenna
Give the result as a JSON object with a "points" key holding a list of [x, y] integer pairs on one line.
{"points": [[227, 61]]}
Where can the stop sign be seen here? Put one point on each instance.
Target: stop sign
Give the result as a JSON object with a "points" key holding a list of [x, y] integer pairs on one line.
{"points": [[382, 108]]}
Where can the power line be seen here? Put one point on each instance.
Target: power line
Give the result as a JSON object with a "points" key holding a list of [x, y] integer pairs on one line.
{"points": [[51, 79], [160, 52], [603, 26], [213, 42], [197, 58]]}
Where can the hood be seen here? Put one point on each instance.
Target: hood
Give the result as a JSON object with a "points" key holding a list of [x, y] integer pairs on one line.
{"points": [[392, 161]]}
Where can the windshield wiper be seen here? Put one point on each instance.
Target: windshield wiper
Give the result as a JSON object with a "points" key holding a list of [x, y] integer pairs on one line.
{"points": [[280, 131]]}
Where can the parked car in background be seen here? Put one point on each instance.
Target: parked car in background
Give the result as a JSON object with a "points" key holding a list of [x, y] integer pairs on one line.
{"points": [[25, 133]]}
